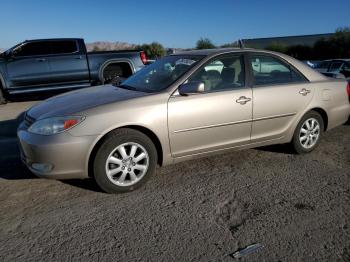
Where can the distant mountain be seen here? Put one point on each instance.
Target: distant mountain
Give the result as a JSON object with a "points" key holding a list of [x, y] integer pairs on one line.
{"points": [[1, 50], [109, 46]]}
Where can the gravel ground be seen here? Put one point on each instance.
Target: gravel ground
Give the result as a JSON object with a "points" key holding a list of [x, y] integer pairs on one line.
{"points": [[204, 210]]}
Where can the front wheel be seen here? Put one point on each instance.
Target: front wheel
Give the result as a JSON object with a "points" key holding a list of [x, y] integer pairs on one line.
{"points": [[124, 161], [2, 97], [308, 133]]}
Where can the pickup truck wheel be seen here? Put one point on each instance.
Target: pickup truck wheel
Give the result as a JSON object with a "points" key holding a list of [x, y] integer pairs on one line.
{"points": [[2, 97], [116, 73], [308, 133], [125, 161], [117, 80]]}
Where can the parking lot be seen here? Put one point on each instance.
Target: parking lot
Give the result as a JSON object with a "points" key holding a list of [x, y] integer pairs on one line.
{"points": [[296, 206]]}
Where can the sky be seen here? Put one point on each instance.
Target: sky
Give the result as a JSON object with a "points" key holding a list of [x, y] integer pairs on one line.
{"points": [[178, 23]]}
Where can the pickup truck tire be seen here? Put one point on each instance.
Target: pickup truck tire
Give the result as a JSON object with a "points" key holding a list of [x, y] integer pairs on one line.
{"points": [[116, 73], [2, 96]]}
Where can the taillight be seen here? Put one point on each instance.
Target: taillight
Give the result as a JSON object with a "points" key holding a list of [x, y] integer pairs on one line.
{"points": [[348, 89], [143, 57]]}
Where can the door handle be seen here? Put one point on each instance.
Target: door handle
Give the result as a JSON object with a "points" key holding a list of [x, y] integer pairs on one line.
{"points": [[243, 100], [79, 57], [304, 92], [41, 59]]}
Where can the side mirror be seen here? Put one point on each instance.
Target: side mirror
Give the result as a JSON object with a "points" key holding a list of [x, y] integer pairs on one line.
{"points": [[194, 87]]}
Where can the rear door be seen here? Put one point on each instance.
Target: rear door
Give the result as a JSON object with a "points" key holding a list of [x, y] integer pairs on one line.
{"points": [[68, 63], [217, 119], [280, 93], [29, 65]]}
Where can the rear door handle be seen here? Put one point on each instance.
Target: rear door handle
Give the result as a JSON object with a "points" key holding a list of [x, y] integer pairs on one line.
{"points": [[243, 100], [41, 59], [304, 92]]}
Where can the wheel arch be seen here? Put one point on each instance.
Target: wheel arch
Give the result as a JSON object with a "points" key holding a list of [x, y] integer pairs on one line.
{"points": [[114, 61], [146, 131], [323, 114]]}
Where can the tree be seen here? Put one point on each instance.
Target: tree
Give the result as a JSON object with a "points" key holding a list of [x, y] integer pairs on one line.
{"points": [[228, 45], [153, 51], [96, 48], [204, 43]]}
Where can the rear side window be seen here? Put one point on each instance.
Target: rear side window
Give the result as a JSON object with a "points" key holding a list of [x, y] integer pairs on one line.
{"points": [[64, 47], [336, 66], [268, 70], [33, 49]]}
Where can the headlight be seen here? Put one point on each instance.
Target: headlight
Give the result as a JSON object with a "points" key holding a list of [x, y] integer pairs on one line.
{"points": [[54, 125]]}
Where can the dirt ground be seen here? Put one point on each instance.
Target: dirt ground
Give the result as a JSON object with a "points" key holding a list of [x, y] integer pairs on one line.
{"points": [[296, 206]]}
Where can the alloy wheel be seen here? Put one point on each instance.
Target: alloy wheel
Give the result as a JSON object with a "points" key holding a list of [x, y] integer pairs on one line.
{"points": [[127, 164], [309, 133]]}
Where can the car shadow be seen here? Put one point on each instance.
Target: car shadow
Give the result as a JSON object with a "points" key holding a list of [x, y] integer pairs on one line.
{"points": [[87, 184], [8, 128], [15, 171], [280, 148]]}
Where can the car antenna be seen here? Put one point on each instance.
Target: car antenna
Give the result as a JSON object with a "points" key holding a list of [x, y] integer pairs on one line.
{"points": [[240, 44]]}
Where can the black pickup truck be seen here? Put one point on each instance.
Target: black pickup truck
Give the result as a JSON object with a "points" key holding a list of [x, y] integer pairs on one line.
{"points": [[51, 64]]}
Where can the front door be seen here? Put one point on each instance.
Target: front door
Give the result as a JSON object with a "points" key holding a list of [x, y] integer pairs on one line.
{"points": [[29, 65], [217, 119]]}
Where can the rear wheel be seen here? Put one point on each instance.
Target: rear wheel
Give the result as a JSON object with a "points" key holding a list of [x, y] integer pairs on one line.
{"points": [[116, 73], [308, 133], [124, 161]]}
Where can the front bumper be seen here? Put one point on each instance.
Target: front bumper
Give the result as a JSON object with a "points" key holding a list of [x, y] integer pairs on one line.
{"points": [[67, 155]]}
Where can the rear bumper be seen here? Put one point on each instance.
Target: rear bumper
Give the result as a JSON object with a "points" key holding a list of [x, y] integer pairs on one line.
{"points": [[66, 155]]}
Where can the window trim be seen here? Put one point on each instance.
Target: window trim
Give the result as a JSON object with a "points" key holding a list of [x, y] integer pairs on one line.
{"points": [[75, 52], [51, 54], [285, 62], [26, 56], [246, 75]]}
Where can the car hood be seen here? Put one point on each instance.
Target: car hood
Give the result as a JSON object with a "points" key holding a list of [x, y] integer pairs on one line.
{"points": [[77, 101]]}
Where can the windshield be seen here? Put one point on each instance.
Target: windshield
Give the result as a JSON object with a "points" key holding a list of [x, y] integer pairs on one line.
{"points": [[161, 74]]}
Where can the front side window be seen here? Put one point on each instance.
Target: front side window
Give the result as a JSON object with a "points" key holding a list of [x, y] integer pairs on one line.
{"points": [[269, 70], [162, 73], [33, 49], [223, 73], [64, 47]]}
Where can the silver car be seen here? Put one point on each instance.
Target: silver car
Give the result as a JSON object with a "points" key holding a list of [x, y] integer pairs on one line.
{"points": [[183, 106]]}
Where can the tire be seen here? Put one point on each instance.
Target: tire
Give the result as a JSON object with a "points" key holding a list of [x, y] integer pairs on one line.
{"points": [[302, 133], [117, 80], [112, 72], [2, 97], [118, 167]]}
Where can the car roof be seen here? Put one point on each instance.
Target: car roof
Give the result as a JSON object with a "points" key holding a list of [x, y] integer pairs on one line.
{"points": [[52, 39], [214, 51], [336, 60]]}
